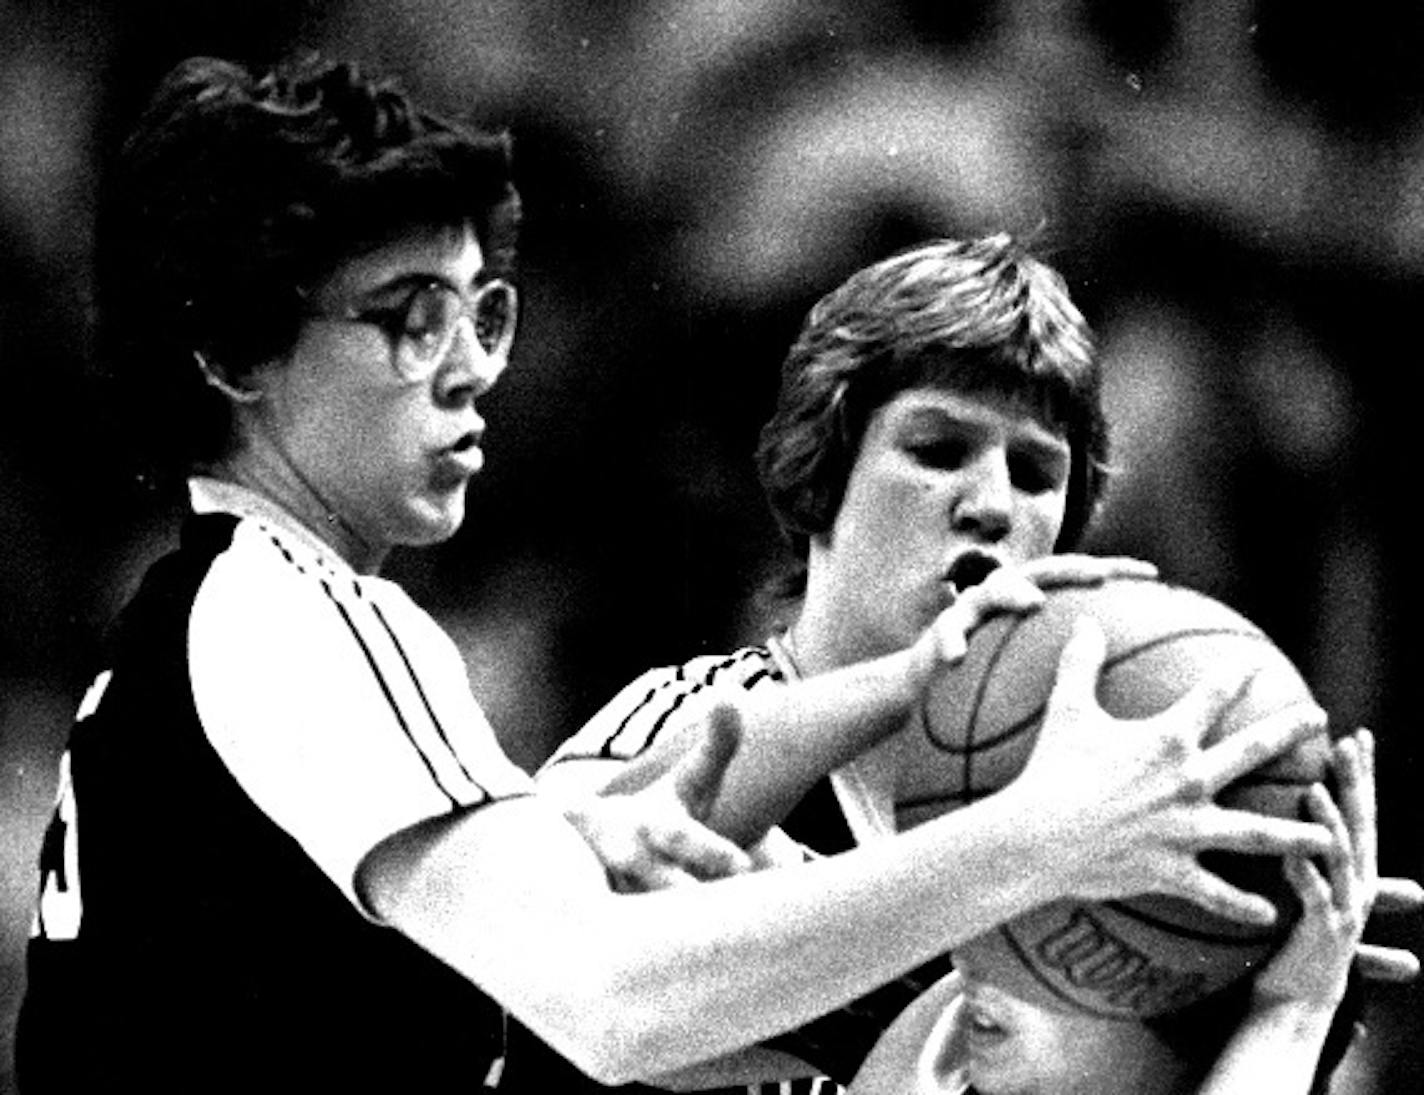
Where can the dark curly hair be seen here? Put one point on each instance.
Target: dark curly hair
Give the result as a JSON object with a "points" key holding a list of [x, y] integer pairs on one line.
{"points": [[973, 316], [238, 191]]}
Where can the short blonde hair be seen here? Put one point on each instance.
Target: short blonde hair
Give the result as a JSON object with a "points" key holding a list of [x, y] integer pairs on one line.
{"points": [[972, 316]]}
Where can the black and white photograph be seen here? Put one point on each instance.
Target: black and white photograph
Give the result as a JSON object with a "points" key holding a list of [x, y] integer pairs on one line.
{"points": [[755, 547]]}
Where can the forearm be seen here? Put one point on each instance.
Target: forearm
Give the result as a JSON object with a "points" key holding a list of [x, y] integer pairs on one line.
{"points": [[634, 986], [795, 736], [791, 737], [1275, 1051]]}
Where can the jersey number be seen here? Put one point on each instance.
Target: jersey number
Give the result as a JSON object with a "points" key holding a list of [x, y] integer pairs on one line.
{"points": [[60, 908]]}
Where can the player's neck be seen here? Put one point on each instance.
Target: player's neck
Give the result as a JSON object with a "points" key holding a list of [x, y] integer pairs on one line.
{"points": [[270, 472], [817, 645]]}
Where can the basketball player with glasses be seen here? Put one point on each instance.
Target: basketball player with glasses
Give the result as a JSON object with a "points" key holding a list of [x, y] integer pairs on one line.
{"points": [[937, 450]]}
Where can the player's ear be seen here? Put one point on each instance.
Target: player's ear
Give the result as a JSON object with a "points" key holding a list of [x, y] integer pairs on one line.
{"points": [[215, 376]]}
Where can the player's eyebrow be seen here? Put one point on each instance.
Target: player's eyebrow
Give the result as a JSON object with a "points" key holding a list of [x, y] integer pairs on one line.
{"points": [[1043, 444], [1026, 432], [935, 417]]}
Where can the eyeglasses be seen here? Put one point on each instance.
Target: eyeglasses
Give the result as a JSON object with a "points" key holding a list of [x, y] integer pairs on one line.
{"points": [[422, 326]]}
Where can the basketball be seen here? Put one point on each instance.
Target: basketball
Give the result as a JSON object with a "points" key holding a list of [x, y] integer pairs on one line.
{"points": [[977, 726]]}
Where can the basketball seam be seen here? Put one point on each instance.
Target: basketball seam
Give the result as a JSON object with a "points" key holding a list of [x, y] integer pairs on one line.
{"points": [[967, 775], [1181, 931], [973, 745]]}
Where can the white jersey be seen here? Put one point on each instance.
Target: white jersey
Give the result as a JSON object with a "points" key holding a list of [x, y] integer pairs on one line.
{"points": [[341, 708]]}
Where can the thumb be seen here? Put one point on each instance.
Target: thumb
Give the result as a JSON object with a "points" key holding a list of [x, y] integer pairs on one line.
{"points": [[698, 776], [1203, 706], [1079, 663]]}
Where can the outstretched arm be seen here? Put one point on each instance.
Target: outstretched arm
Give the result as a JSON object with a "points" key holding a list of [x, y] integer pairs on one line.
{"points": [[795, 735], [1278, 1047], [633, 985]]}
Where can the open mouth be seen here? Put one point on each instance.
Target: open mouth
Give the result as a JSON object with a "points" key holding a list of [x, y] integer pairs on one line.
{"points": [[970, 569]]}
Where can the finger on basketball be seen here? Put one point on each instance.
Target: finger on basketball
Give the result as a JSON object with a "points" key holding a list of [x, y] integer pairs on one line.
{"points": [[1078, 667], [1007, 590], [1352, 764], [1344, 882], [1198, 709], [1214, 894], [1262, 741], [1071, 569], [1259, 834], [1398, 895], [1390, 964]]}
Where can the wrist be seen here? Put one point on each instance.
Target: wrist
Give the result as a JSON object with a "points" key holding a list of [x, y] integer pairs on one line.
{"points": [[1035, 843], [1323, 990], [1061, 846], [1306, 1017]]}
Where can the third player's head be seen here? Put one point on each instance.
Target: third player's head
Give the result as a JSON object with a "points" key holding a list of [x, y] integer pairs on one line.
{"points": [[939, 404], [1013, 1046]]}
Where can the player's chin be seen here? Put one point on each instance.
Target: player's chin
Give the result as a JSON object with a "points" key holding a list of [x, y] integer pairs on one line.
{"points": [[433, 518]]}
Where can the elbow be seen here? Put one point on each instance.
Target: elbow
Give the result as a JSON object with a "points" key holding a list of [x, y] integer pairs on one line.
{"points": [[615, 1033], [610, 1051], [611, 1071]]}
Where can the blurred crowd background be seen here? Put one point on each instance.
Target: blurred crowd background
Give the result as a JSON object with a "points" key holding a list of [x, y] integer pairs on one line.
{"points": [[1233, 188]]}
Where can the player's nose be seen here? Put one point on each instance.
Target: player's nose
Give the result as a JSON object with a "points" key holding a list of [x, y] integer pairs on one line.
{"points": [[469, 370], [984, 503]]}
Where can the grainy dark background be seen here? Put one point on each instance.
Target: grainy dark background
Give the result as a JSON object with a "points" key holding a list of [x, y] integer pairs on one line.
{"points": [[1234, 189]]}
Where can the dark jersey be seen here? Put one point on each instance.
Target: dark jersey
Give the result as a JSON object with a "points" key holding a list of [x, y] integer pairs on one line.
{"points": [[266, 718]]}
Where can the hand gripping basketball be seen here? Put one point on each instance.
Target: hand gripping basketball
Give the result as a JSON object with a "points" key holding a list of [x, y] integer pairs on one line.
{"points": [[1018, 588], [1314, 964], [1129, 808]]}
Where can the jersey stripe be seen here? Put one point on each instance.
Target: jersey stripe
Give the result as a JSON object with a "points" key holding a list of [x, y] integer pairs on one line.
{"points": [[630, 722], [424, 699], [390, 697], [451, 755], [690, 688]]}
